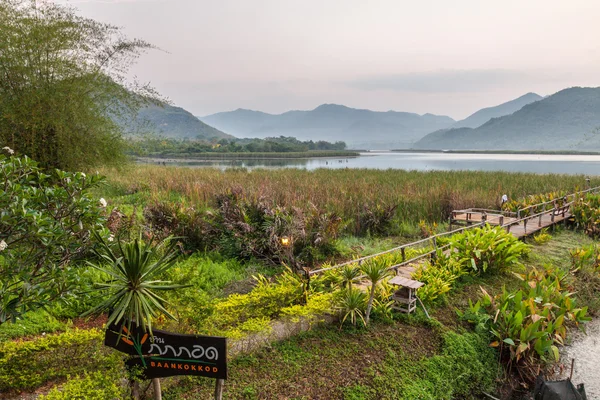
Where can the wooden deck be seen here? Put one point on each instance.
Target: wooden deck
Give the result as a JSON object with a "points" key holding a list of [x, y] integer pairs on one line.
{"points": [[552, 213], [536, 224]]}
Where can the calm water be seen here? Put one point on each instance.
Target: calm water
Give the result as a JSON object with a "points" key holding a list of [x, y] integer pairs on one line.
{"points": [[568, 164]]}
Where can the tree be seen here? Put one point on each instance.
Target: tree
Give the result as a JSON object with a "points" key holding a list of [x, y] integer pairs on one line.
{"points": [[375, 270], [46, 222], [63, 84]]}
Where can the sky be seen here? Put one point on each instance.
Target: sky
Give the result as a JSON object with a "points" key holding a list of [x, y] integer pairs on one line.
{"points": [[428, 56]]}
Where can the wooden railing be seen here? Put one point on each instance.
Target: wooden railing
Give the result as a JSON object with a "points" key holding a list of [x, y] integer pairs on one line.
{"points": [[402, 249], [555, 210]]}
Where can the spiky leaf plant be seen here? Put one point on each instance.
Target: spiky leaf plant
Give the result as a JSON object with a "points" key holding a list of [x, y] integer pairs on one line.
{"points": [[134, 269]]}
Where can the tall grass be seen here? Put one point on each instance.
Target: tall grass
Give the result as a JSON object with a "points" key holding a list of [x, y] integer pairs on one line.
{"points": [[418, 195]]}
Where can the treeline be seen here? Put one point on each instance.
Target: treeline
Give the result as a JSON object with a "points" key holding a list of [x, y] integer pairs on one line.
{"points": [[161, 146]]}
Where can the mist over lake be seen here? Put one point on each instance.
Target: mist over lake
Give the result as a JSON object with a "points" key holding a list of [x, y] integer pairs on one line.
{"points": [[535, 163]]}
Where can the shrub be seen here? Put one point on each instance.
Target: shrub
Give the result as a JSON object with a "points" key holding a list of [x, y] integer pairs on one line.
{"points": [[352, 304], [488, 249], [33, 323], [542, 238], [45, 226], [528, 323], [266, 300], [374, 219], [438, 275], [28, 364], [586, 211], [97, 385]]}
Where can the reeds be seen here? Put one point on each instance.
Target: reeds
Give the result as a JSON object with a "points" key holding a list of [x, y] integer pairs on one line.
{"points": [[428, 196]]}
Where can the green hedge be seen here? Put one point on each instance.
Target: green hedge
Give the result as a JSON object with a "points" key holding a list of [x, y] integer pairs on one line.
{"points": [[29, 364]]}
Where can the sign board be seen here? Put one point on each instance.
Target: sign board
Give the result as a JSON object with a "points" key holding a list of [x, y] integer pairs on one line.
{"points": [[165, 354]]}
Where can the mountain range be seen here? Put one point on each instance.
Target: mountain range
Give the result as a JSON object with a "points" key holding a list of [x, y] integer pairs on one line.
{"points": [[566, 120], [485, 114], [171, 122], [358, 128]]}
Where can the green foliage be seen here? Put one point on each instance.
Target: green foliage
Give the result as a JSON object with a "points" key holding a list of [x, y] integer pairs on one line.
{"points": [[349, 274], [265, 302], [528, 323], [97, 385], [466, 367], [45, 225], [374, 219], [530, 205], [29, 364], [64, 76], [250, 229], [34, 323], [542, 237], [358, 392], [135, 269], [375, 270], [438, 276], [352, 304], [318, 304], [586, 211], [418, 195], [585, 257], [214, 147], [489, 249], [463, 367]]}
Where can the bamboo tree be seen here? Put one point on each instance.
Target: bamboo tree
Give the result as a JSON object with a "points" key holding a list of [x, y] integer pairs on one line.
{"points": [[64, 84]]}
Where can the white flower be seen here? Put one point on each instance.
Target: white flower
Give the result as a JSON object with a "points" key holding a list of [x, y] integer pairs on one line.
{"points": [[3, 245], [8, 150], [111, 238], [102, 202], [83, 174]]}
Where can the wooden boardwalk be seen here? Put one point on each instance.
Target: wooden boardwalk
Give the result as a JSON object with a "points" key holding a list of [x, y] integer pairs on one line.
{"points": [[524, 222], [534, 225]]}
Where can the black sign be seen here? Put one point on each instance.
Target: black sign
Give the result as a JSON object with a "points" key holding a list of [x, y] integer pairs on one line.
{"points": [[166, 354]]}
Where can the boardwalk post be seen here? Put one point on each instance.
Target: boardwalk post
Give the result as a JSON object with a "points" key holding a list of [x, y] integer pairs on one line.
{"points": [[540, 221], [403, 251]]}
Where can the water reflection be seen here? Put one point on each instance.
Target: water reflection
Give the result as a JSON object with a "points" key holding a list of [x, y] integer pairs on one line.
{"points": [[536, 163]]}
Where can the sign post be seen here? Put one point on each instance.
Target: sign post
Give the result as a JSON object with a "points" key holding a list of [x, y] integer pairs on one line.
{"points": [[163, 354]]}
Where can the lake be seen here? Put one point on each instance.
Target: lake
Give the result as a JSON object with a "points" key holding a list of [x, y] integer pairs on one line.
{"points": [[536, 163]]}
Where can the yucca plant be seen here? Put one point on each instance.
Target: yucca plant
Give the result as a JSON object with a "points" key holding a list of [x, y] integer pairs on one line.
{"points": [[375, 270], [349, 274], [134, 270], [352, 305]]}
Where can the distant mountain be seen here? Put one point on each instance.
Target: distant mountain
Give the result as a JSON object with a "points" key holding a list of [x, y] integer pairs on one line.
{"points": [[172, 122], [332, 122], [485, 114], [567, 120]]}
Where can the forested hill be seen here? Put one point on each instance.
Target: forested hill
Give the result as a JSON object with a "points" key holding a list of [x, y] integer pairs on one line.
{"points": [[331, 122], [485, 114], [172, 122], [567, 120]]}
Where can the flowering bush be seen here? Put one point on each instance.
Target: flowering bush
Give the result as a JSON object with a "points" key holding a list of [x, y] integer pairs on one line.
{"points": [[45, 224]]}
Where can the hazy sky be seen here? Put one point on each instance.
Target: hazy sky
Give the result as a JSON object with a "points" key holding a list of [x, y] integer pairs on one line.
{"points": [[449, 57]]}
